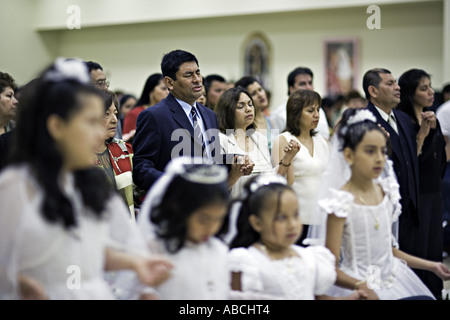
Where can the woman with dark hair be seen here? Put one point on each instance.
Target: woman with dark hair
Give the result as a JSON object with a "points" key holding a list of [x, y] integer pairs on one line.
{"points": [[153, 92], [238, 135], [308, 164], [115, 155], [126, 104], [58, 211], [183, 217], [259, 96], [417, 97], [8, 103], [8, 111]]}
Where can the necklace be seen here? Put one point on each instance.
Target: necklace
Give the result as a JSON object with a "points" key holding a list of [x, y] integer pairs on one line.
{"points": [[361, 199], [289, 263]]}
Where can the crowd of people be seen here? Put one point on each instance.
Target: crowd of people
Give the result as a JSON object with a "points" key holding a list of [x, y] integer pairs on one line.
{"points": [[199, 189]]}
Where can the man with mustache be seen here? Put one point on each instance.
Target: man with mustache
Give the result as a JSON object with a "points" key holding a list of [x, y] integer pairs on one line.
{"points": [[178, 125], [383, 94]]}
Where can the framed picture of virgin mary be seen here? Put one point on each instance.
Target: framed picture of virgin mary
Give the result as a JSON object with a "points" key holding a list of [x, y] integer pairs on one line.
{"points": [[257, 58]]}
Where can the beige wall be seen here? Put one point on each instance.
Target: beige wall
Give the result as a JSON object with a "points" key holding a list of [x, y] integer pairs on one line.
{"points": [[410, 36], [22, 53]]}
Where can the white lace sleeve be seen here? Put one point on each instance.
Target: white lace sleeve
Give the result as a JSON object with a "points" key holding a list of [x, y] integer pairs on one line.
{"points": [[326, 269], [338, 203]]}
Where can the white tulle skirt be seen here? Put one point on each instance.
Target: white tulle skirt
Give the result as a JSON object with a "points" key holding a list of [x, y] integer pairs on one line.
{"points": [[406, 284]]}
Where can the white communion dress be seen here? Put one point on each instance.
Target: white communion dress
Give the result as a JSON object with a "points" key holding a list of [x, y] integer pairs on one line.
{"points": [[69, 264], [312, 272], [366, 250], [199, 269]]}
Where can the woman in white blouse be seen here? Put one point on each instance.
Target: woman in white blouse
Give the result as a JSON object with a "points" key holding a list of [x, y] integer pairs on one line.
{"points": [[308, 164], [236, 117]]}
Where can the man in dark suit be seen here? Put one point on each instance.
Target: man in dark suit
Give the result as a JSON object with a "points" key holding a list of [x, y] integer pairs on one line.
{"points": [[178, 125], [383, 94]]}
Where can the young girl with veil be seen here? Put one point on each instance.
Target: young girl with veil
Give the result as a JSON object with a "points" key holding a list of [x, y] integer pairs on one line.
{"points": [[264, 261], [359, 203], [181, 219], [60, 219]]}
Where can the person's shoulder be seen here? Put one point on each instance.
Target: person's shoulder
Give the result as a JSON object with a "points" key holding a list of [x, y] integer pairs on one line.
{"points": [[320, 139], [443, 109], [135, 111], [218, 245], [239, 254], [206, 110], [401, 114], [159, 108], [15, 176], [313, 251], [123, 144]]}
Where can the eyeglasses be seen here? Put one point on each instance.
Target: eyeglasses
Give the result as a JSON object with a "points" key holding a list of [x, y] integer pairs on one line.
{"points": [[101, 83]]}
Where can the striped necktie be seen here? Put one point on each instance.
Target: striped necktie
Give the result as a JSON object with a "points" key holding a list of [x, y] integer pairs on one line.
{"points": [[392, 122], [198, 136]]}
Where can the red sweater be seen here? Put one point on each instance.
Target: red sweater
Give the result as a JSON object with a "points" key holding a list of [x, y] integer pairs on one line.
{"points": [[129, 122]]}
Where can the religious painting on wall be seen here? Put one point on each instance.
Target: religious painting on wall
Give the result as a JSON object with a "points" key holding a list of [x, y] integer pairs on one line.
{"points": [[257, 58], [341, 65]]}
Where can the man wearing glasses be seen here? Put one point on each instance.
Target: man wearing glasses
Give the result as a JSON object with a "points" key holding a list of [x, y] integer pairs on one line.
{"points": [[98, 77]]}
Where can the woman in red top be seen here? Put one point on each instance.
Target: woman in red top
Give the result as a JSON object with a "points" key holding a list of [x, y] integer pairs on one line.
{"points": [[154, 91]]}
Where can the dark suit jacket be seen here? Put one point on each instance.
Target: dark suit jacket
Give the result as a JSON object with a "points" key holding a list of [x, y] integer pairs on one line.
{"points": [[163, 132], [5, 148], [404, 158]]}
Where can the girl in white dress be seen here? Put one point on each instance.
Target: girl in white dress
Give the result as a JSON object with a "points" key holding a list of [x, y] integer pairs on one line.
{"points": [[180, 219], [304, 173], [58, 212], [238, 136], [264, 261], [360, 206]]}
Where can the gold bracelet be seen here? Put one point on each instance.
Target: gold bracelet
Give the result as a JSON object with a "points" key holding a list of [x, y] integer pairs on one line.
{"points": [[284, 165], [357, 284]]}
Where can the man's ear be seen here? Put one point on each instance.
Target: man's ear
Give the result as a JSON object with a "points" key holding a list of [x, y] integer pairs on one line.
{"points": [[169, 82], [55, 126], [255, 222], [291, 89], [373, 91], [348, 155]]}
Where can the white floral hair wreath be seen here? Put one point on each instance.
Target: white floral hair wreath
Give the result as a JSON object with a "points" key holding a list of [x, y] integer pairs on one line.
{"points": [[361, 116], [264, 180], [207, 174], [65, 69]]}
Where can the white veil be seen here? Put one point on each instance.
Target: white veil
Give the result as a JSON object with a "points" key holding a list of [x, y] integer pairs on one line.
{"points": [[211, 174], [338, 172]]}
